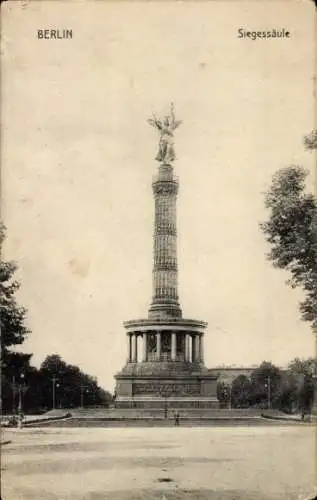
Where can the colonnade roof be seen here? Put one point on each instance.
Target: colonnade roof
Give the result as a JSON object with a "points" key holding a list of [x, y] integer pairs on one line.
{"points": [[171, 324], [166, 321]]}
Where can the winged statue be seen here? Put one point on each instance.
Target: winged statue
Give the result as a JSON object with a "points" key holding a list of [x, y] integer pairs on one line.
{"points": [[166, 128]]}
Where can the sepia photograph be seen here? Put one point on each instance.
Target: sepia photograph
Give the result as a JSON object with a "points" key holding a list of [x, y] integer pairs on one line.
{"points": [[158, 229]]}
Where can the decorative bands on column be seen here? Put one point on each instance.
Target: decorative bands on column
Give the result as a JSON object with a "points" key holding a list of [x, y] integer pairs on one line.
{"points": [[165, 186], [165, 246], [165, 227], [165, 283]]}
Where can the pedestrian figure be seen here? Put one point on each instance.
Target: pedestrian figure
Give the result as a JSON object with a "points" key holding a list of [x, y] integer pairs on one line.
{"points": [[20, 420], [176, 418], [165, 412]]}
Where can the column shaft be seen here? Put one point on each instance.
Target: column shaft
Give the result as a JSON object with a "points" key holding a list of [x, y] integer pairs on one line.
{"points": [[197, 346], [135, 350], [145, 346], [193, 348], [173, 346], [158, 345], [201, 348], [130, 348], [187, 347]]}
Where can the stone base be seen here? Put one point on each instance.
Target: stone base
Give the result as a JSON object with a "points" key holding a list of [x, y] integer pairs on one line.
{"points": [[161, 310], [166, 384]]}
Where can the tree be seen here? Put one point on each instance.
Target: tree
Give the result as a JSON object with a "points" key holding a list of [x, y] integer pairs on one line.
{"points": [[223, 394], [67, 386], [302, 371], [266, 383], [310, 141], [292, 233], [12, 328], [241, 391], [56, 383], [14, 377], [12, 316], [288, 399], [306, 395], [303, 367]]}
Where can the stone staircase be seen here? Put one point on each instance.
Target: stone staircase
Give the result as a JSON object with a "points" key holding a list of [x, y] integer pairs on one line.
{"points": [[108, 417], [158, 413]]}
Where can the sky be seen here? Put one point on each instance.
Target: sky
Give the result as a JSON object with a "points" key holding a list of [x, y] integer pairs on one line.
{"points": [[78, 161]]}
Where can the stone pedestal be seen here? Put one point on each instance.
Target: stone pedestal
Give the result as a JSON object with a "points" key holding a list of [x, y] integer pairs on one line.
{"points": [[149, 386]]}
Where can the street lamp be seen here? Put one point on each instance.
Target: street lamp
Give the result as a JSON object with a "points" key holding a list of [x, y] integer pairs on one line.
{"points": [[13, 395], [20, 403], [54, 386], [83, 389], [268, 387], [228, 392]]}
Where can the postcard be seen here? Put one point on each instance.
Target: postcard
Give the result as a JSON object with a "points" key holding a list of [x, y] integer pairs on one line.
{"points": [[158, 240]]}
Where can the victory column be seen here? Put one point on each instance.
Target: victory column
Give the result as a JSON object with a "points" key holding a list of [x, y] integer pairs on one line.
{"points": [[171, 365]]}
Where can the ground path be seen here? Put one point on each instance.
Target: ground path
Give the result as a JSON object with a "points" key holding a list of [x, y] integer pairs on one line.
{"points": [[204, 463]]}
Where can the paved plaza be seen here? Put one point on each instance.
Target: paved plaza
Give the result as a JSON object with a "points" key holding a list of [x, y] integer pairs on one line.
{"points": [[216, 463]]}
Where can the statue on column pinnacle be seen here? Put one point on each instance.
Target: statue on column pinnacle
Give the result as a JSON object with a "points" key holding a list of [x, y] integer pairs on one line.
{"points": [[166, 127]]}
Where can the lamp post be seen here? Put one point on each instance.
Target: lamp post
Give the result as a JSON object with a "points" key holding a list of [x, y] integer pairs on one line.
{"points": [[54, 386], [13, 395], [230, 397], [268, 386], [227, 393], [83, 389], [20, 402]]}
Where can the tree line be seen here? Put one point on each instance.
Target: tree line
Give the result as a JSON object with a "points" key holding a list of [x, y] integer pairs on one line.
{"points": [[56, 383], [269, 387]]}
